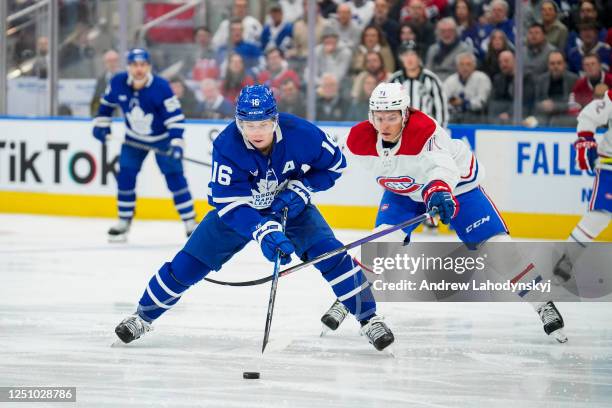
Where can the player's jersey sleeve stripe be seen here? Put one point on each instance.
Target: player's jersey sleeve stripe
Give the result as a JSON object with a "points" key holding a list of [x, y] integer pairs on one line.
{"points": [[231, 206], [173, 119], [222, 200], [107, 103]]}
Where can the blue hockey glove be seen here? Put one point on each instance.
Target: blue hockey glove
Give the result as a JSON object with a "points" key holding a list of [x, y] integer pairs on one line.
{"points": [[101, 133], [176, 148], [438, 194], [295, 197], [271, 238], [586, 151]]}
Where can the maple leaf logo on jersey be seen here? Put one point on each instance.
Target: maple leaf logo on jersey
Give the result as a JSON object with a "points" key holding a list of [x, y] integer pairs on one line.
{"points": [[139, 122], [399, 185], [266, 190]]}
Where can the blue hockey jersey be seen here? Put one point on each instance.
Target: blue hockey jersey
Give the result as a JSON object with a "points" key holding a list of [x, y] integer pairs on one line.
{"points": [[244, 182], [152, 113]]}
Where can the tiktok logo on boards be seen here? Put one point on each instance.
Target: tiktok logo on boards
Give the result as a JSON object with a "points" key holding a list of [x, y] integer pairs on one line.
{"points": [[57, 163]]}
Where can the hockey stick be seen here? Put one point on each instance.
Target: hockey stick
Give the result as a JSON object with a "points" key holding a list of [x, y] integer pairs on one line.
{"points": [[162, 152], [416, 220], [273, 288]]}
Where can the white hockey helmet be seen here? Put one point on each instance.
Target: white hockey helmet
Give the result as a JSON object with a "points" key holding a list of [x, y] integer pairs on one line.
{"points": [[389, 97]]}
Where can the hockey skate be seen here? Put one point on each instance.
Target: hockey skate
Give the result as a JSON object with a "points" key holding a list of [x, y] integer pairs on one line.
{"points": [[562, 270], [377, 332], [552, 320], [333, 317], [131, 328], [119, 231], [190, 226]]}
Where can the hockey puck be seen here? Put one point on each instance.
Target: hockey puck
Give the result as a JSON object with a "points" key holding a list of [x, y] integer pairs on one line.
{"points": [[250, 375]]}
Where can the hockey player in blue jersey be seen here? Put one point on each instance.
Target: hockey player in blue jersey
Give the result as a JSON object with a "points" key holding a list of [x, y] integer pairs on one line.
{"points": [[257, 172], [152, 117]]}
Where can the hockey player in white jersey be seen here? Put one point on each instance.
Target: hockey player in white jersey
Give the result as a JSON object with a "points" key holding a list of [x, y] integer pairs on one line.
{"points": [[595, 158], [420, 167], [153, 118]]}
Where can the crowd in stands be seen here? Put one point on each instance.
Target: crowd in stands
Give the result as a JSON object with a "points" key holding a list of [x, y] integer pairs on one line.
{"points": [[456, 58]]}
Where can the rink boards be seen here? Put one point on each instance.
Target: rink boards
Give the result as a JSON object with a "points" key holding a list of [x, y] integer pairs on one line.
{"points": [[55, 166]]}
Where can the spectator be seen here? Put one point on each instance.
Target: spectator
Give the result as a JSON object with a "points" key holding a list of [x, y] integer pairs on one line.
{"points": [[498, 20], [535, 60], [420, 24], [441, 56], [252, 27], [235, 78], [423, 86], [277, 71], [497, 44], [189, 103], [501, 105], [214, 105], [360, 104], [552, 90], [330, 104], [589, 44], [389, 27], [203, 64], [41, 60], [407, 34], [375, 66], [298, 54], [556, 31], [582, 93], [362, 11], [277, 33], [468, 91], [432, 9], [250, 53], [291, 100], [348, 30], [587, 11], [372, 39], [465, 18], [331, 56], [110, 59]]}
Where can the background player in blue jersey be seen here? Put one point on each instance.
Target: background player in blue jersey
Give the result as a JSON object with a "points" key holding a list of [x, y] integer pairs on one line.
{"points": [[257, 172], [152, 116]]}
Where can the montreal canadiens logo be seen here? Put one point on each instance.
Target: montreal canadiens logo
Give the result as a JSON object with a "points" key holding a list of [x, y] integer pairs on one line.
{"points": [[400, 185]]}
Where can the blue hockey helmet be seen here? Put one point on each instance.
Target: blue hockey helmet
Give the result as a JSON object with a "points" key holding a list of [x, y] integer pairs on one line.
{"points": [[256, 102], [138, 54]]}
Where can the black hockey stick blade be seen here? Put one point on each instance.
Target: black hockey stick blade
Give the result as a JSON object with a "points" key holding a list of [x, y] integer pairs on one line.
{"points": [[416, 220], [273, 288]]}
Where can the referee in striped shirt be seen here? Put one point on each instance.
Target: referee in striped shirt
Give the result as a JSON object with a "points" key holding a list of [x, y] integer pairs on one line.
{"points": [[423, 86]]}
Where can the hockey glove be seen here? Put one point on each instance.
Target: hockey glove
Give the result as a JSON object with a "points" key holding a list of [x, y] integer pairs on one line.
{"points": [[101, 133], [295, 197], [176, 148], [439, 195], [586, 152], [271, 238]]}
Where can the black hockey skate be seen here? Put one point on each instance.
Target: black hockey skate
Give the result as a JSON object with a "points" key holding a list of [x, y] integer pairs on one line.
{"points": [[119, 231], [378, 334], [552, 320], [335, 315], [132, 328]]}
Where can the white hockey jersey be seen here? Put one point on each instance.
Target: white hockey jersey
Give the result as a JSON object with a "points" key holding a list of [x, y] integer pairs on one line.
{"points": [[595, 114], [425, 152]]}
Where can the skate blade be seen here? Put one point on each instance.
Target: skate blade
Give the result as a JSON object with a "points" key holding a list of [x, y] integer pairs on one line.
{"points": [[389, 350], [324, 330], [117, 239], [560, 336], [118, 343]]}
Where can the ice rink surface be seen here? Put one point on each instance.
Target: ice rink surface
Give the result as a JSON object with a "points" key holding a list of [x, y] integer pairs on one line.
{"points": [[63, 289]]}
